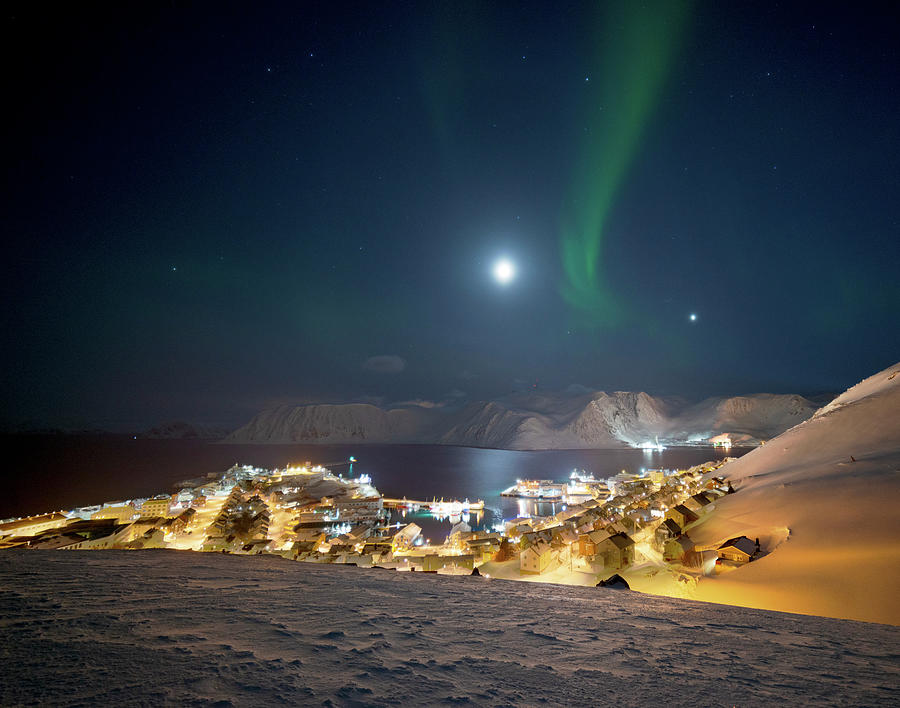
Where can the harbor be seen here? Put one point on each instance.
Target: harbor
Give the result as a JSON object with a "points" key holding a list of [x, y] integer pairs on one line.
{"points": [[308, 513], [580, 487]]}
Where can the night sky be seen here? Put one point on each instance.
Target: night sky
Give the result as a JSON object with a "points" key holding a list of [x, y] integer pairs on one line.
{"points": [[212, 208]]}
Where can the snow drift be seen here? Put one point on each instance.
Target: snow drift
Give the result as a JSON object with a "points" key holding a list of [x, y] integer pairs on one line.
{"points": [[180, 628]]}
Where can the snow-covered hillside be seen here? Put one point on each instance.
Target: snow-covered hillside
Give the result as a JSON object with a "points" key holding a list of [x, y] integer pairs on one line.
{"points": [[822, 498], [622, 416], [747, 419], [178, 628], [495, 425], [348, 423], [536, 422]]}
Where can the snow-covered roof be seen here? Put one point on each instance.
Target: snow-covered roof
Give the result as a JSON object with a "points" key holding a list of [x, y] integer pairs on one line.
{"points": [[621, 541], [539, 548], [671, 525], [685, 512], [741, 543], [598, 536], [684, 541]]}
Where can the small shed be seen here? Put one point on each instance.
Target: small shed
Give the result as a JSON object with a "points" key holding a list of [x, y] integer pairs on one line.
{"points": [[739, 549]]}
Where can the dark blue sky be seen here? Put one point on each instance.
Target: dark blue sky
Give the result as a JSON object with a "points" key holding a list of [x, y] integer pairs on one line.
{"points": [[213, 208]]}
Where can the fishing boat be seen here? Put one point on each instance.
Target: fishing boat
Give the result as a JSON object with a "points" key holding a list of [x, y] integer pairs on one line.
{"points": [[580, 487]]}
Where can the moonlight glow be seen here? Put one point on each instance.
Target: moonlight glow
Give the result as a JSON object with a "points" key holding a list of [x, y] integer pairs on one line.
{"points": [[504, 271]]}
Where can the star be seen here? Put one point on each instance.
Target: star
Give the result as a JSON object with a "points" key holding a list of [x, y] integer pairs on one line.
{"points": [[693, 317]]}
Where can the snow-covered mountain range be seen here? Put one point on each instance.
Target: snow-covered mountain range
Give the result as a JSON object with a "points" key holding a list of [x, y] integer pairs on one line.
{"points": [[536, 421]]}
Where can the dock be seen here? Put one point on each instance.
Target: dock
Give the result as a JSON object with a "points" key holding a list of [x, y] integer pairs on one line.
{"points": [[548, 495], [434, 505]]}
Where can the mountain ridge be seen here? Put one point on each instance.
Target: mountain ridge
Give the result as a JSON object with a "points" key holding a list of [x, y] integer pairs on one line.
{"points": [[536, 422]]}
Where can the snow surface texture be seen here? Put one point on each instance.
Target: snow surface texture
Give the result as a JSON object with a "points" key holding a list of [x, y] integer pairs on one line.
{"points": [[536, 421], [164, 627], [822, 498]]}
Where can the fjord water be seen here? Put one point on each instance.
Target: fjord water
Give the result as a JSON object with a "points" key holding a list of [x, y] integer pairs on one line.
{"points": [[46, 472]]}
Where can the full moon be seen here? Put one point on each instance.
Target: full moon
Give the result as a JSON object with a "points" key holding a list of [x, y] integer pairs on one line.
{"points": [[504, 271]]}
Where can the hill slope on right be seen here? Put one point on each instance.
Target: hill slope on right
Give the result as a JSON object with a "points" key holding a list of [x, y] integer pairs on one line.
{"points": [[822, 498]]}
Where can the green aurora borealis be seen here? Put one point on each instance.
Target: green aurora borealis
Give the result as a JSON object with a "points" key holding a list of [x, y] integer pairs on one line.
{"points": [[635, 45], [213, 213]]}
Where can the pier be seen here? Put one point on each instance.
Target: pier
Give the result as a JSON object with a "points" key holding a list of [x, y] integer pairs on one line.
{"points": [[451, 507]]}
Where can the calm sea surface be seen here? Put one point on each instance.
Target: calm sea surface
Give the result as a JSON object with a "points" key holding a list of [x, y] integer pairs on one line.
{"points": [[44, 473]]}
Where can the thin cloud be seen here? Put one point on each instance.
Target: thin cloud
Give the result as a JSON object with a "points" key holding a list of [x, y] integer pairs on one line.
{"points": [[385, 364]]}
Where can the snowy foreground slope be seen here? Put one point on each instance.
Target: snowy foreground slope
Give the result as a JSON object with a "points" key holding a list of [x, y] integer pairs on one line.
{"points": [[167, 627], [823, 500]]}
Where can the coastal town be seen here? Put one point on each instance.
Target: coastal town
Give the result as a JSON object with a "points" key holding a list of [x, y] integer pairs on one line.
{"points": [[604, 531]]}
